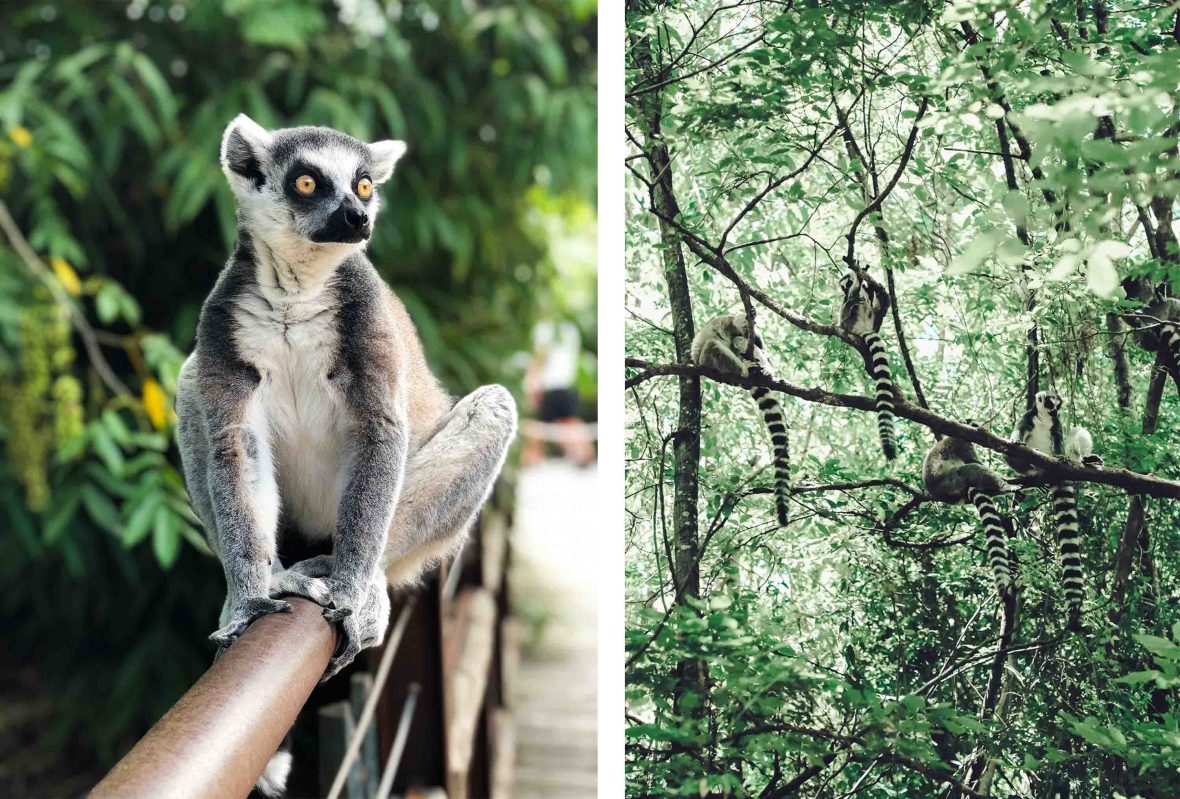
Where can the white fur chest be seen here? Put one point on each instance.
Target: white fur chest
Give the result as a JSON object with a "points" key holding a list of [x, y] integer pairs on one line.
{"points": [[299, 415], [863, 319], [1041, 437]]}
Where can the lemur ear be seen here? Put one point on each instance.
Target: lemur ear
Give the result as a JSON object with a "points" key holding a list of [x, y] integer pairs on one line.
{"points": [[385, 155], [244, 146]]}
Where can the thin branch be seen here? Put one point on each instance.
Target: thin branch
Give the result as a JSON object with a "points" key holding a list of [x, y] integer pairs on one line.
{"points": [[902, 345], [1053, 468], [906, 153], [18, 242], [693, 73]]}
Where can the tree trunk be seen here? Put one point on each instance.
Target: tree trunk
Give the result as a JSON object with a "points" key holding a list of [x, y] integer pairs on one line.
{"points": [[687, 441]]}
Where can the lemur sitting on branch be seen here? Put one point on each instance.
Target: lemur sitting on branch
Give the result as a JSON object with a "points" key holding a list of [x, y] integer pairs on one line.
{"points": [[722, 344], [953, 474], [1157, 324], [308, 417], [861, 314], [1040, 428]]}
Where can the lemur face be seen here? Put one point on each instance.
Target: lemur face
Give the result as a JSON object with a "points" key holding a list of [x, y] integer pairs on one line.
{"points": [[846, 284], [1048, 402], [306, 186]]}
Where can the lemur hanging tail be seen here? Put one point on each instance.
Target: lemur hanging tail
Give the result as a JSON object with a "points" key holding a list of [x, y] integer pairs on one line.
{"points": [[772, 414], [1065, 512], [995, 537], [884, 384]]}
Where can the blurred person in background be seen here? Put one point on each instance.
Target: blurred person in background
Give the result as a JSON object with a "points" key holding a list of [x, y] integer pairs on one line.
{"points": [[550, 385]]}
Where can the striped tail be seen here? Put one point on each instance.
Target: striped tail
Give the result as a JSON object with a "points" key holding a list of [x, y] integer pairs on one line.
{"points": [[995, 537], [1170, 335], [884, 380], [1065, 512], [772, 414]]}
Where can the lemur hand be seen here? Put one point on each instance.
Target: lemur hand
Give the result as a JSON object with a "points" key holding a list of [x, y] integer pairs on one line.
{"points": [[363, 621], [244, 612], [305, 579]]}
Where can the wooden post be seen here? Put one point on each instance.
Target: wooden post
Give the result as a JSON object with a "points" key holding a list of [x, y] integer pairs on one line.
{"points": [[419, 661], [369, 761], [337, 725]]}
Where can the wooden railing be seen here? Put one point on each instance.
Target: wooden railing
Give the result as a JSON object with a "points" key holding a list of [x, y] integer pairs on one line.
{"points": [[431, 716]]}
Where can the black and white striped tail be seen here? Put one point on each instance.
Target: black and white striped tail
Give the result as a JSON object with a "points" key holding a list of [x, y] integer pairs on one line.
{"points": [[1065, 513], [772, 414], [995, 538], [1170, 335], [883, 379]]}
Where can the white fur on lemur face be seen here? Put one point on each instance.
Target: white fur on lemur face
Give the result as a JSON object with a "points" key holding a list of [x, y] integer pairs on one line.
{"points": [[301, 191], [1048, 403]]}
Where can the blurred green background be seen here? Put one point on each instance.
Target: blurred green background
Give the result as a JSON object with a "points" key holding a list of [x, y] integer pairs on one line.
{"points": [[110, 118]]}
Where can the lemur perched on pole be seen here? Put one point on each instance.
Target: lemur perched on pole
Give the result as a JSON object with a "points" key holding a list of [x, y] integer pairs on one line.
{"points": [[1040, 428], [953, 474], [861, 314], [308, 417], [722, 344]]}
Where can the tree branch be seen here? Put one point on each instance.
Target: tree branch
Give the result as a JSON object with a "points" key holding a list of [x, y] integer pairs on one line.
{"points": [[18, 242], [1057, 469], [906, 152]]}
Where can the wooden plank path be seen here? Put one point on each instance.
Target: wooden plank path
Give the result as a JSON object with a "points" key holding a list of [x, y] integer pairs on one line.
{"points": [[553, 690]]}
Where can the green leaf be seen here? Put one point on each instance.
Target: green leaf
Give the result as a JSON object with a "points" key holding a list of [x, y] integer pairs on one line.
{"points": [[165, 536], [107, 450], [1101, 275], [974, 254], [101, 509], [139, 524]]}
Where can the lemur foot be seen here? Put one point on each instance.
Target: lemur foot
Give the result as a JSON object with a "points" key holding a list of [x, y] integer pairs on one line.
{"points": [[295, 583], [362, 625], [245, 612], [1092, 460]]}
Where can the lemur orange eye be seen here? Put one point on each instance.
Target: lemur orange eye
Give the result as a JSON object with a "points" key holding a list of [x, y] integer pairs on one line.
{"points": [[364, 187], [305, 184]]}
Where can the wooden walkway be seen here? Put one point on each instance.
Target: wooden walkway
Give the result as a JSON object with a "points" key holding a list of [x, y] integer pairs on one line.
{"points": [[554, 689]]}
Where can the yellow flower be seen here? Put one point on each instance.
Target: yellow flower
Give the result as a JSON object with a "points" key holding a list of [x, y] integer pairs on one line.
{"points": [[155, 404], [20, 135], [66, 274]]}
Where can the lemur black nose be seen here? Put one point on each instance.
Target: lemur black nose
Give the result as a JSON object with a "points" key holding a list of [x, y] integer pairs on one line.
{"points": [[356, 218]]}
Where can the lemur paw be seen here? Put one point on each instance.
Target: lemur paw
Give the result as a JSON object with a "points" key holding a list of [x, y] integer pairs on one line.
{"points": [[295, 583], [245, 612], [360, 627], [319, 566], [1092, 460]]}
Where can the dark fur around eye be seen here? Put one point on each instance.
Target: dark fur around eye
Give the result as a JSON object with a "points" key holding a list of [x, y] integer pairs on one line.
{"points": [[323, 186], [363, 174]]}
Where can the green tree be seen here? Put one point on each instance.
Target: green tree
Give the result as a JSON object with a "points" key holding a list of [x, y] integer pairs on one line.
{"points": [[1001, 169]]}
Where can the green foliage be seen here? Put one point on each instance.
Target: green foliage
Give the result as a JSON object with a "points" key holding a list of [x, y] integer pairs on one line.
{"points": [[881, 623], [111, 116]]}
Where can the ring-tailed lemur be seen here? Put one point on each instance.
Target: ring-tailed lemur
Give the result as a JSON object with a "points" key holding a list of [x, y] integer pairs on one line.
{"points": [[953, 474], [308, 417], [1149, 333], [1040, 428], [861, 314], [722, 344]]}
